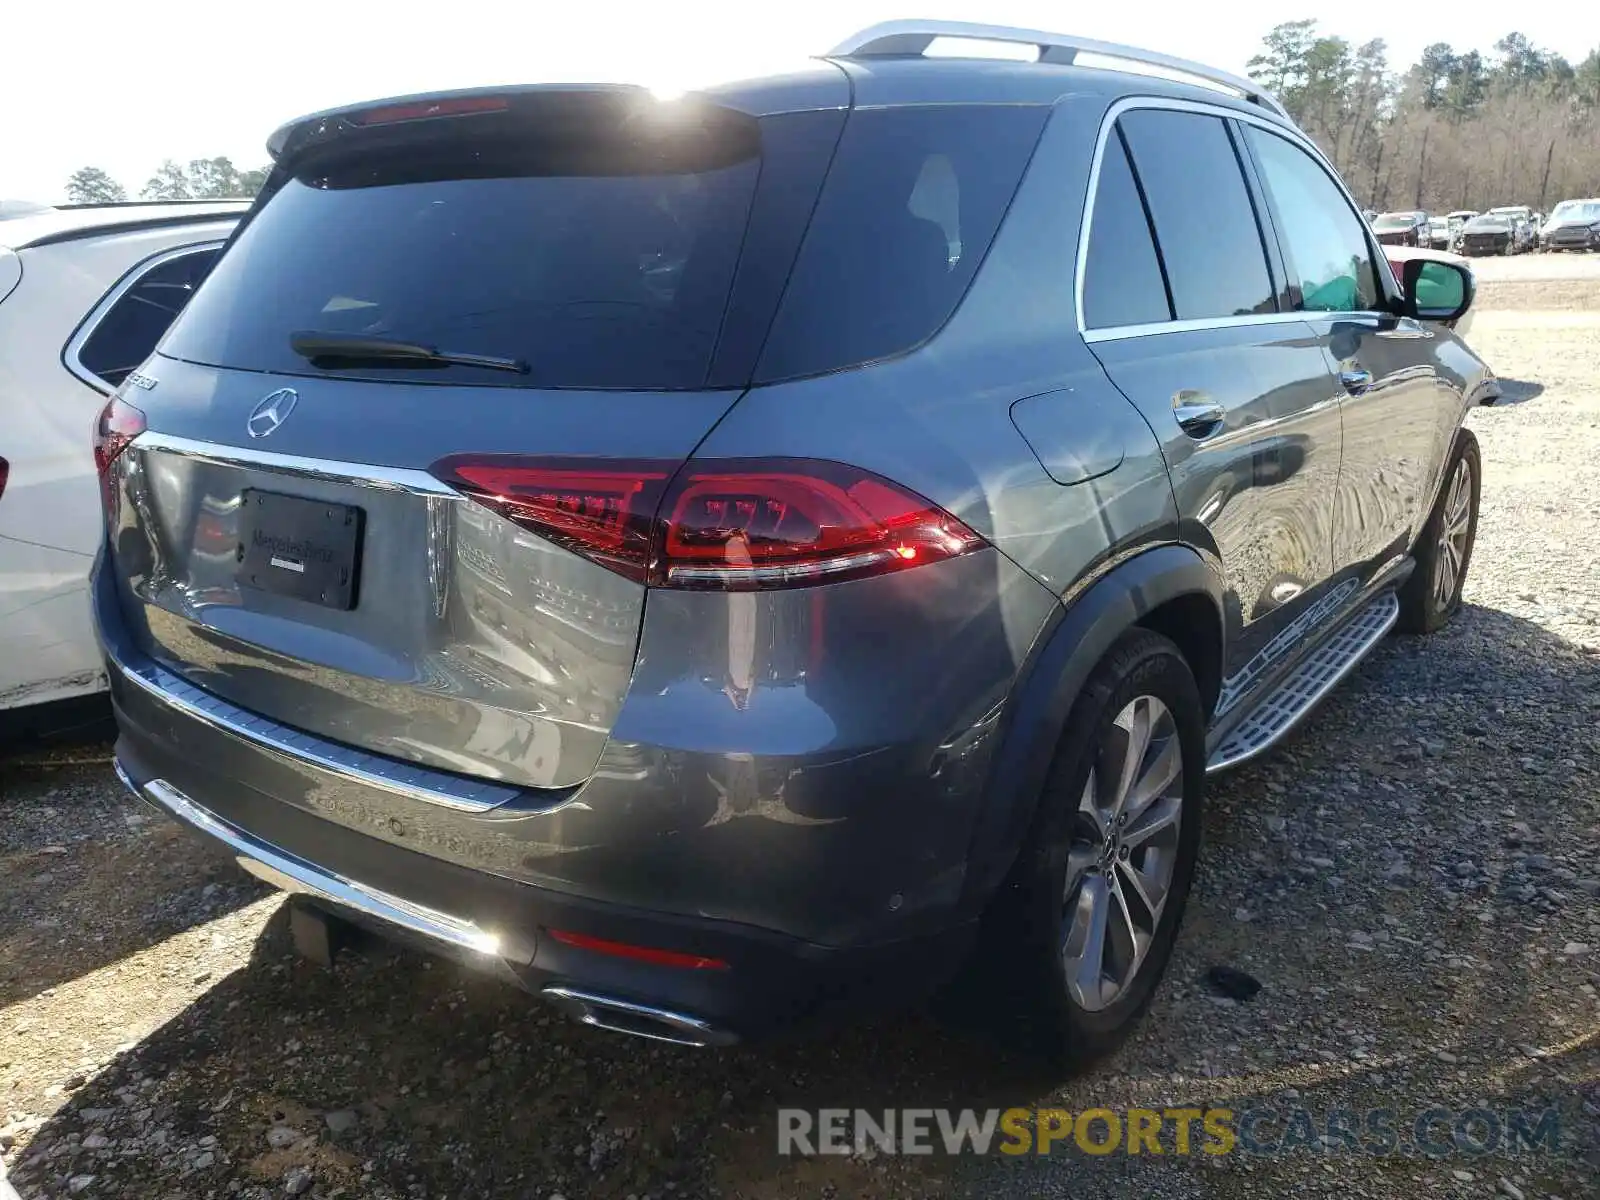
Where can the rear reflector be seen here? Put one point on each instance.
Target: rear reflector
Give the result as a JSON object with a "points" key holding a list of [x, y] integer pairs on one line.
{"points": [[726, 525], [423, 110], [644, 954]]}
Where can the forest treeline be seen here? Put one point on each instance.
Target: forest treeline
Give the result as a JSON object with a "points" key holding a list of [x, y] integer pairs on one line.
{"points": [[1453, 130]]}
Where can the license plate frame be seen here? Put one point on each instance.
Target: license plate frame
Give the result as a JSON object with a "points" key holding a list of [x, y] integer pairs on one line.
{"points": [[303, 549]]}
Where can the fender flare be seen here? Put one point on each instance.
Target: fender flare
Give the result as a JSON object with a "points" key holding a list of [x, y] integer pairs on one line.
{"points": [[1063, 657]]}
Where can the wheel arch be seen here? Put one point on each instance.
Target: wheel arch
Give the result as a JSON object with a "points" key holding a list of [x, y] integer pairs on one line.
{"points": [[1169, 589]]}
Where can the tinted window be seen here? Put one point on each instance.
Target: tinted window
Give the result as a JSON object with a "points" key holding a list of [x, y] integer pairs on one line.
{"points": [[128, 333], [910, 206], [601, 258], [1122, 282], [1204, 221], [1321, 234]]}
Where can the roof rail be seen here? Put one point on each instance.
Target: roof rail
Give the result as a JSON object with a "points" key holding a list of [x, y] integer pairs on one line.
{"points": [[915, 36]]}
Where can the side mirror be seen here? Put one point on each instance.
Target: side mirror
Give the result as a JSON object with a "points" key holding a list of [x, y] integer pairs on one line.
{"points": [[1437, 291]]}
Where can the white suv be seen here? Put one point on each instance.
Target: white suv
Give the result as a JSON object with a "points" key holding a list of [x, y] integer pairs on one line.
{"points": [[131, 268]]}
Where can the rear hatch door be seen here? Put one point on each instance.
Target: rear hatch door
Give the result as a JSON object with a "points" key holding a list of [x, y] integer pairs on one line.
{"points": [[561, 276]]}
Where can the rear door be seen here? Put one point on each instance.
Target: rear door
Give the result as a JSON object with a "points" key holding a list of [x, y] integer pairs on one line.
{"points": [[1399, 409], [1184, 308]]}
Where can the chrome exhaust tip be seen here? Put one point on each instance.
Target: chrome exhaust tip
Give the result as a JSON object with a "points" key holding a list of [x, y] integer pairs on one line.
{"points": [[638, 1020]]}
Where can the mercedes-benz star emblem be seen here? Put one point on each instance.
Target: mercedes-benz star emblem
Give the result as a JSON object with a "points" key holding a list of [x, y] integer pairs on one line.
{"points": [[272, 411]]}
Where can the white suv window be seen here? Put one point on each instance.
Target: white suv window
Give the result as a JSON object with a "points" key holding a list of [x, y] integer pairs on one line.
{"points": [[128, 322]]}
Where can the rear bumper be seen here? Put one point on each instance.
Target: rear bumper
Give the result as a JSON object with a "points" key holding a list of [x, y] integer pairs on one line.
{"points": [[770, 982], [826, 881]]}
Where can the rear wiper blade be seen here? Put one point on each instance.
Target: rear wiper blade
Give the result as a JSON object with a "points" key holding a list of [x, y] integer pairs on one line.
{"points": [[345, 347]]}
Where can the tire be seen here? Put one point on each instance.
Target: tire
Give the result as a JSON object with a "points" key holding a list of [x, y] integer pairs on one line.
{"points": [[1429, 598], [1037, 921]]}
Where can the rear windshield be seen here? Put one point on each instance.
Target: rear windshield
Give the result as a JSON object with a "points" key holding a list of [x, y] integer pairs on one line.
{"points": [[596, 270], [1394, 221], [623, 268]]}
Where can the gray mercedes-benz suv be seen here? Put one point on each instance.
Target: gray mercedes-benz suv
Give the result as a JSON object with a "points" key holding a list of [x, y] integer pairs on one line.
{"points": [[722, 560]]}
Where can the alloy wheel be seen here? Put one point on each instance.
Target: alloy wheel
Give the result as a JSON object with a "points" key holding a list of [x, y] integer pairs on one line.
{"points": [[1123, 853], [1453, 530]]}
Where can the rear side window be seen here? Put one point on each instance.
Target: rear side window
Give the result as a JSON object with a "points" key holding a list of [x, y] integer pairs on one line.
{"points": [[910, 206], [598, 263], [1122, 283], [128, 332], [1322, 237], [1204, 219]]}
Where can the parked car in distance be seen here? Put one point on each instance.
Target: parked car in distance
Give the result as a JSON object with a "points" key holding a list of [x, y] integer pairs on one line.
{"points": [[499, 549], [1521, 212], [1573, 225], [1442, 232], [85, 294], [1458, 223], [1492, 233], [1402, 228]]}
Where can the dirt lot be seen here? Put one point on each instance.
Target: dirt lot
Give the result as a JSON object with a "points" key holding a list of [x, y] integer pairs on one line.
{"points": [[1414, 879]]}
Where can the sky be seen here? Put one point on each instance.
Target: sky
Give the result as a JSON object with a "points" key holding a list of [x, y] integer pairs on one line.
{"points": [[123, 84]]}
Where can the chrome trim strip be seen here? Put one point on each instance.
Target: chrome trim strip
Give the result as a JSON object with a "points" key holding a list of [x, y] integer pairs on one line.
{"points": [[290, 874], [915, 36], [694, 1031], [404, 779], [1285, 129], [86, 327], [400, 479], [1118, 332]]}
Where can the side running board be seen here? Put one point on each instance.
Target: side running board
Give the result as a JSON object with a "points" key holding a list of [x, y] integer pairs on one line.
{"points": [[1280, 710]]}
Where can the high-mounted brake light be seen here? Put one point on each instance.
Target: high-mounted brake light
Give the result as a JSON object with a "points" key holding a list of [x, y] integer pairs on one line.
{"points": [[423, 110], [119, 423], [726, 525]]}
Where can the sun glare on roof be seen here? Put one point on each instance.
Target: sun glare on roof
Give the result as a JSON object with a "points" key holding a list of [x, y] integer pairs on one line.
{"points": [[961, 47]]}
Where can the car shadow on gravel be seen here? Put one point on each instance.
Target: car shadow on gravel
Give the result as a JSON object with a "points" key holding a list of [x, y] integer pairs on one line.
{"points": [[394, 1075], [394, 1069], [1516, 391], [88, 875]]}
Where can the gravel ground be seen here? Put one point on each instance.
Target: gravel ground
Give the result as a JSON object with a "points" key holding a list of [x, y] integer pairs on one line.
{"points": [[1412, 878]]}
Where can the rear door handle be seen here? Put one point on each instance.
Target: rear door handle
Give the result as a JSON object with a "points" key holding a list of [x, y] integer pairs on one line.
{"points": [[1356, 380], [1197, 414]]}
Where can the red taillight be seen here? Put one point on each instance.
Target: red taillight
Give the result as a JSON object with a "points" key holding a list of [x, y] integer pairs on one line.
{"points": [[119, 423], [740, 525], [644, 954], [596, 508], [422, 110], [728, 525]]}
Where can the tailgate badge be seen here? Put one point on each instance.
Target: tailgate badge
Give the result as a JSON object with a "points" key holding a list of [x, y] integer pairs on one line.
{"points": [[271, 411]]}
